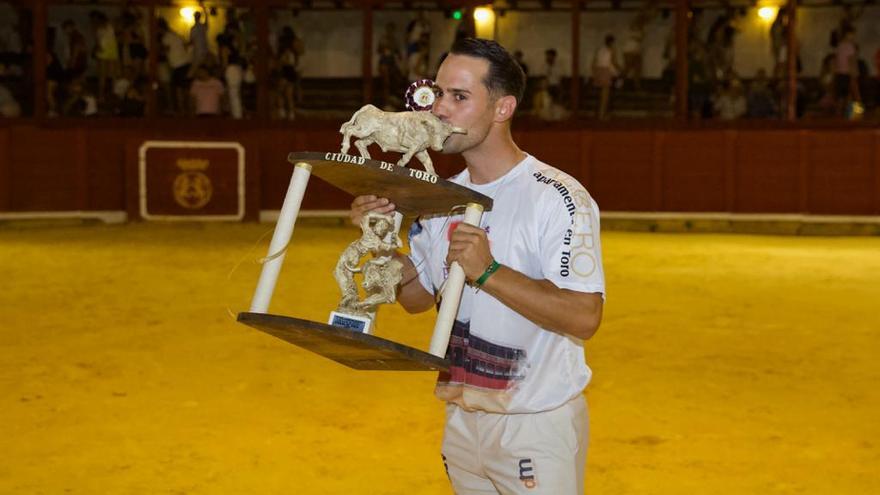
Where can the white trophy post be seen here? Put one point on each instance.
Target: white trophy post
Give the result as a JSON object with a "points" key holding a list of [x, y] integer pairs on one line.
{"points": [[452, 292], [281, 238]]}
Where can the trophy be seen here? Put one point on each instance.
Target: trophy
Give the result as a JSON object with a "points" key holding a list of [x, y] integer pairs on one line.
{"points": [[347, 337]]}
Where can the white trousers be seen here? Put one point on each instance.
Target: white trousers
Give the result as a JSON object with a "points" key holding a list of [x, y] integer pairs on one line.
{"points": [[538, 453]]}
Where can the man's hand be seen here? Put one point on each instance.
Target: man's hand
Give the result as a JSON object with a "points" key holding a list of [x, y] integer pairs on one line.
{"points": [[469, 246], [365, 204]]}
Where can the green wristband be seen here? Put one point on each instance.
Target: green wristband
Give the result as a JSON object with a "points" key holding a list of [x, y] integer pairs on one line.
{"points": [[488, 273]]}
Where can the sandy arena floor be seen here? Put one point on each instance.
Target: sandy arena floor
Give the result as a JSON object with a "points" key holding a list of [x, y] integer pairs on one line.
{"points": [[725, 365]]}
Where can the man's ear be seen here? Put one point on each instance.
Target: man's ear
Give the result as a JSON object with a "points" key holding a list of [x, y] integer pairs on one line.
{"points": [[504, 108]]}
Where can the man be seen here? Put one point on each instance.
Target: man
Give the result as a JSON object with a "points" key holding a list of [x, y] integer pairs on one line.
{"points": [[516, 419], [551, 72], [178, 59], [198, 38], [845, 70]]}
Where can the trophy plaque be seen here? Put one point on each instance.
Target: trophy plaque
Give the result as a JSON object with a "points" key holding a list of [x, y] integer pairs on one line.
{"points": [[347, 337]]}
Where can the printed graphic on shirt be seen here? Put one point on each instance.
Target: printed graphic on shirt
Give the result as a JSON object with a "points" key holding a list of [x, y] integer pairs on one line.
{"points": [[578, 255], [527, 473], [480, 363]]}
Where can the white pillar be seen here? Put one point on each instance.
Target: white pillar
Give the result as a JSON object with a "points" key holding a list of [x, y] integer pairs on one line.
{"points": [[452, 292], [280, 239]]}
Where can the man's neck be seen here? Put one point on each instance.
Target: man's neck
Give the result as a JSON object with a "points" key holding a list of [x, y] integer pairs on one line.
{"points": [[493, 158]]}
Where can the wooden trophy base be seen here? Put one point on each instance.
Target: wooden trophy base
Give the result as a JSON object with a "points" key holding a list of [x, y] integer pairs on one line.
{"points": [[414, 192], [354, 349]]}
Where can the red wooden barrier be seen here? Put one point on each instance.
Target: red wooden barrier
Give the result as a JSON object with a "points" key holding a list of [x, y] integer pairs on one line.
{"points": [[816, 171]]}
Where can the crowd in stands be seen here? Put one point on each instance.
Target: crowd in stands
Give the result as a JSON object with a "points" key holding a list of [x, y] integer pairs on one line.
{"points": [[103, 68]]}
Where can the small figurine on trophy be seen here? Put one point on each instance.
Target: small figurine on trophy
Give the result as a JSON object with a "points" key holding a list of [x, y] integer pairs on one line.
{"points": [[381, 273]]}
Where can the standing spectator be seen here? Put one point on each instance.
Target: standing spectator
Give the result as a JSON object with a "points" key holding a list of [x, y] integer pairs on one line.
{"points": [[174, 49], [418, 64], [720, 43], [234, 75], [206, 91], [290, 42], [389, 64], [106, 52], [77, 52], [551, 72], [699, 82], [877, 79], [418, 37], [229, 42], [288, 62], [198, 38], [848, 17], [134, 49], [605, 69], [845, 70], [828, 100], [632, 52], [11, 48], [54, 75], [779, 39]]}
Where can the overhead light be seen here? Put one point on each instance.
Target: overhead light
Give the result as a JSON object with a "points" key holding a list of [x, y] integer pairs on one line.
{"points": [[767, 13], [188, 14], [483, 14]]}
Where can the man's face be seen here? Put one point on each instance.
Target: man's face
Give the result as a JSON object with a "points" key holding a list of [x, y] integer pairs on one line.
{"points": [[463, 100]]}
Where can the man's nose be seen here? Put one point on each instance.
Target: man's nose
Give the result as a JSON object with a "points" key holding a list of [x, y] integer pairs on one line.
{"points": [[439, 109]]}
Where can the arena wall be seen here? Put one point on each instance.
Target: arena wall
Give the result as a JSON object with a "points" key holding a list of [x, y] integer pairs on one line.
{"points": [[834, 171]]}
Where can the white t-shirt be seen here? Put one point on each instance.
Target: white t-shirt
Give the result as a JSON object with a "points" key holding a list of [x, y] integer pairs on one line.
{"points": [[176, 50], [604, 58], [544, 225]]}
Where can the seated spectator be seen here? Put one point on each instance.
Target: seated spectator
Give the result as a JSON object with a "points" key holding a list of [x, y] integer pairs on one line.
{"points": [[543, 106], [122, 83], [762, 100], [132, 104], [9, 107], [731, 103], [206, 91], [80, 102]]}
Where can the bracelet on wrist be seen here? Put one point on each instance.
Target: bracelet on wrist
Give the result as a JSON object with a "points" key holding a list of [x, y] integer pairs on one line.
{"points": [[493, 267]]}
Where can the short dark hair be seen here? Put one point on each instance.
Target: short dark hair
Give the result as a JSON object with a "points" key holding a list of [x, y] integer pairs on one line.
{"points": [[505, 76]]}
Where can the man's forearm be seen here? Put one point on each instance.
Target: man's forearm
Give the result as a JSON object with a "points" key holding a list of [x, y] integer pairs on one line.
{"points": [[560, 310], [411, 295]]}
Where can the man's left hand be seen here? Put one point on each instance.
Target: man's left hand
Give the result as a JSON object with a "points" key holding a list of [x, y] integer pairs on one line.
{"points": [[469, 246]]}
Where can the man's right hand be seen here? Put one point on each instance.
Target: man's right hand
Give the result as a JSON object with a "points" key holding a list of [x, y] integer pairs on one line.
{"points": [[365, 204]]}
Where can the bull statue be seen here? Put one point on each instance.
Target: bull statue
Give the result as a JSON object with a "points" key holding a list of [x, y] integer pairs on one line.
{"points": [[410, 133]]}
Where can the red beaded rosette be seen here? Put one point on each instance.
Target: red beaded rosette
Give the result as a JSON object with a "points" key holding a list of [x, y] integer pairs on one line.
{"points": [[420, 95]]}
